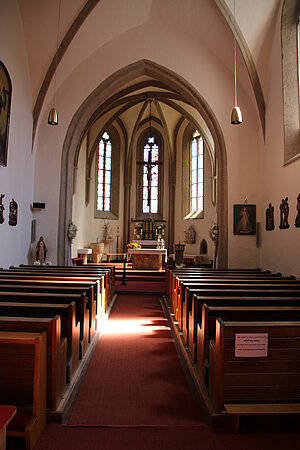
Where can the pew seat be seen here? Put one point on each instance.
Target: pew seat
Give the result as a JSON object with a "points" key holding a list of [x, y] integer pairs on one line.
{"points": [[7, 412], [235, 411]]}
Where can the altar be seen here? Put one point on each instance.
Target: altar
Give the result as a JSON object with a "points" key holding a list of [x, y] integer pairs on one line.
{"points": [[147, 258]]}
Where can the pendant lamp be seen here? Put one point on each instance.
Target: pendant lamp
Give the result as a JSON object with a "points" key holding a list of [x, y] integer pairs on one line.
{"points": [[236, 115], [53, 116]]}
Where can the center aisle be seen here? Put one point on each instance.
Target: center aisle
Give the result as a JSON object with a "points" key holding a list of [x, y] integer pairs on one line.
{"points": [[135, 378], [134, 395]]}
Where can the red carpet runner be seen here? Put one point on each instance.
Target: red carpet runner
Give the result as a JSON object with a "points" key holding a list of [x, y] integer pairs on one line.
{"points": [[134, 378]]}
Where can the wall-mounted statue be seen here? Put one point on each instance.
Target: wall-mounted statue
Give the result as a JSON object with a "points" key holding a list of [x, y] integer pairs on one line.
{"points": [[1, 208], [13, 213], [284, 214], [270, 218], [71, 233], [297, 220], [190, 235]]}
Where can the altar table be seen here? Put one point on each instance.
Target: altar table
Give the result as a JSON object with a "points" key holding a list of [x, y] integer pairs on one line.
{"points": [[147, 258]]}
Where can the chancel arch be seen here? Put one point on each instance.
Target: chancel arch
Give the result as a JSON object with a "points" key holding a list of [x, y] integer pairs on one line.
{"points": [[97, 104]]}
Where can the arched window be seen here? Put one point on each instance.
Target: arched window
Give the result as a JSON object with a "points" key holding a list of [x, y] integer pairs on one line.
{"points": [[104, 174], [149, 175], [196, 173]]}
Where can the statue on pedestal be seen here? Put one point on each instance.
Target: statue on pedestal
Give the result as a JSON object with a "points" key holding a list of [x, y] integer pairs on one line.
{"points": [[41, 251]]}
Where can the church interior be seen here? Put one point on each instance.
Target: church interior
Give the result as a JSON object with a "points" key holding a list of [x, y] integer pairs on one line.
{"points": [[150, 146]]}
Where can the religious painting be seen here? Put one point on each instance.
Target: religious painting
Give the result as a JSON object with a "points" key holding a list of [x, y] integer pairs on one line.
{"points": [[244, 219], [5, 99]]}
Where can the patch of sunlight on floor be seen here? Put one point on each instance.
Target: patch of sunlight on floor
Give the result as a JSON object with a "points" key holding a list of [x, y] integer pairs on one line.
{"points": [[117, 327]]}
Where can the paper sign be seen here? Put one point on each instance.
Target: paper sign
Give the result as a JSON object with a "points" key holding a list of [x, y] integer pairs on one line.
{"points": [[251, 345]]}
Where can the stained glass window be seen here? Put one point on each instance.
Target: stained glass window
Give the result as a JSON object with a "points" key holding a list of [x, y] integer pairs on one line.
{"points": [[104, 174], [150, 176], [196, 173]]}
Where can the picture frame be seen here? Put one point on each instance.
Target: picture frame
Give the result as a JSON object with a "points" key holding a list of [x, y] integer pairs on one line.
{"points": [[244, 219], [5, 101]]}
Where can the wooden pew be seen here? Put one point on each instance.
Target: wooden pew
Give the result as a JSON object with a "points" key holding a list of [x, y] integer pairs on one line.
{"points": [[178, 279], [206, 273], [56, 351], [86, 312], [23, 382], [193, 307], [90, 285], [106, 276], [70, 327], [263, 384], [206, 330], [80, 300], [183, 284]]}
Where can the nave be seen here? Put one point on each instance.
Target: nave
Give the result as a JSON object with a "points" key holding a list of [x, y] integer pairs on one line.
{"points": [[134, 394]]}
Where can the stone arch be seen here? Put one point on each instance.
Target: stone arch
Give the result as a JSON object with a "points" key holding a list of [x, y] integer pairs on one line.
{"points": [[80, 123]]}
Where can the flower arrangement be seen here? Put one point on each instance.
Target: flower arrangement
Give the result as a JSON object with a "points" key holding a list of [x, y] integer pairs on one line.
{"points": [[133, 245]]}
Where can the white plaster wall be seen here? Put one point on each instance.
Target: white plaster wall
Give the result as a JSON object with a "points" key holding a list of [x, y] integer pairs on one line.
{"points": [[16, 180], [280, 248]]}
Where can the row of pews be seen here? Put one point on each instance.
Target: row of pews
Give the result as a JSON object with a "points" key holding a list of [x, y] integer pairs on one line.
{"points": [[241, 331], [49, 317]]}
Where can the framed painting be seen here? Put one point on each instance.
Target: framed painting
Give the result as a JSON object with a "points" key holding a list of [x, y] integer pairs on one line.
{"points": [[5, 100], [244, 219]]}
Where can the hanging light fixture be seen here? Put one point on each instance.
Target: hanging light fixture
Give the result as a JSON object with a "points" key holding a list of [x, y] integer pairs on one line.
{"points": [[236, 115], [53, 116]]}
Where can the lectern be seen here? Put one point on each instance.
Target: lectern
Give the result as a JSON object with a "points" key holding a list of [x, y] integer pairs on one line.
{"points": [[179, 249]]}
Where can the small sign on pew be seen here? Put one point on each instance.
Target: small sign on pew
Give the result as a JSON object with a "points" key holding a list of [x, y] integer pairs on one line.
{"points": [[251, 345]]}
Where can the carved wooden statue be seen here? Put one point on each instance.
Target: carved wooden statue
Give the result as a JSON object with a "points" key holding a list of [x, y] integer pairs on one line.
{"points": [[270, 218], [297, 220], [284, 214], [13, 213], [1, 208]]}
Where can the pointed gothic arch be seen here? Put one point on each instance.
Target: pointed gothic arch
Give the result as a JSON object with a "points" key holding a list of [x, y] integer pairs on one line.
{"points": [[81, 121]]}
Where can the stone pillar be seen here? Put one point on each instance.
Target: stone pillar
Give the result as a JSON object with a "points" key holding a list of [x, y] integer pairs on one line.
{"points": [[171, 217]]}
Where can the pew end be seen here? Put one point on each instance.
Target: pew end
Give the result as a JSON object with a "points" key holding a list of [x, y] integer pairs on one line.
{"points": [[26, 389]]}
